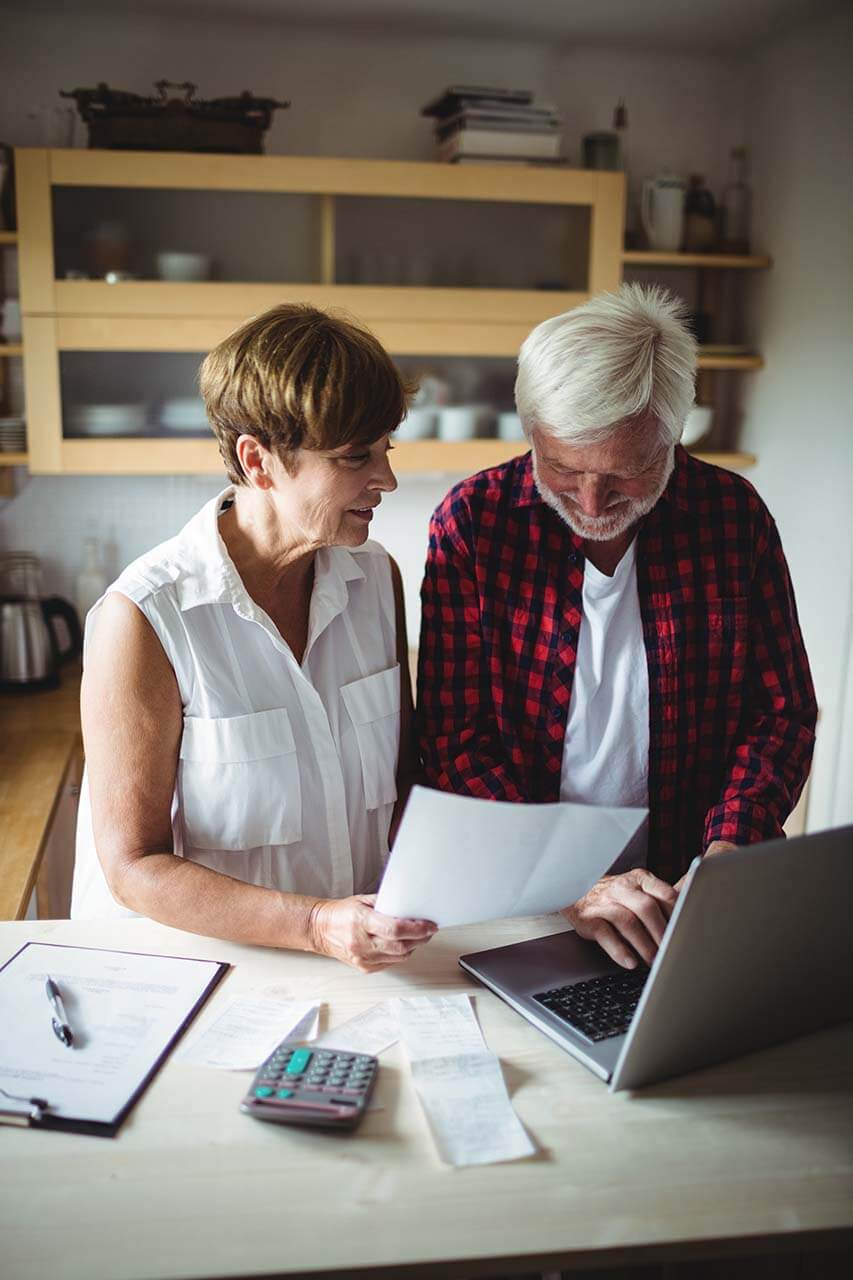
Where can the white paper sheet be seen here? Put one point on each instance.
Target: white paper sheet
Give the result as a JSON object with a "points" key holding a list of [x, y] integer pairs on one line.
{"points": [[123, 1008], [368, 1032], [459, 1083], [247, 1031], [468, 1110], [459, 860], [438, 1026]]}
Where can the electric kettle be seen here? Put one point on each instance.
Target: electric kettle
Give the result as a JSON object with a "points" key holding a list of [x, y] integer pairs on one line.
{"points": [[31, 647]]}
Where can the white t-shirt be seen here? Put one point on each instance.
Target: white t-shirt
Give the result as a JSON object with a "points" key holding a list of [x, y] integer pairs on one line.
{"points": [[287, 770], [606, 752]]}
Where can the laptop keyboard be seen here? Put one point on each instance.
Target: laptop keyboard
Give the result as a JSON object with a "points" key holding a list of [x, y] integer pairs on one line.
{"points": [[600, 1007]]}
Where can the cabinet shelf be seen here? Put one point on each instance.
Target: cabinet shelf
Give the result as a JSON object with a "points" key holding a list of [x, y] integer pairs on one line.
{"points": [[720, 261], [14, 459], [10, 349], [201, 457], [8, 237], [730, 362]]}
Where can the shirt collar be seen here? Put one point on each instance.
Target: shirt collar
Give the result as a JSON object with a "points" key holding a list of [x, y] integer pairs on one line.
{"points": [[204, 573]]}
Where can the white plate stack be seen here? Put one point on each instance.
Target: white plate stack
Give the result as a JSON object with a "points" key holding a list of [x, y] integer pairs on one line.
{"points": [[184, 413], [13, 435], [107, 419]]}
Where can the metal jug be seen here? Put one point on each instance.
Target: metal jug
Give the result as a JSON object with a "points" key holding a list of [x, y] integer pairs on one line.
{"points": [[31, 648]]}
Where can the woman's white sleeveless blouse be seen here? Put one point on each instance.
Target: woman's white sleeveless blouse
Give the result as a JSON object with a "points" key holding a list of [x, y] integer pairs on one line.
{"points": [[287, 772]]}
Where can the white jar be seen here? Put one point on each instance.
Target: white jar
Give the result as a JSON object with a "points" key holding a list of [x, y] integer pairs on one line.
{"points": [[10, 321]]}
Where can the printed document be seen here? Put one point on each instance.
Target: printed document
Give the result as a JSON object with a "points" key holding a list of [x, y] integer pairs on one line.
{"points": [[459, 1083], [459, 860], [248, 1029]]}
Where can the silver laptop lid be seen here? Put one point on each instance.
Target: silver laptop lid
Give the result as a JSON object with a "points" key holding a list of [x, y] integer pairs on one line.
{"points": [[759, 949]]}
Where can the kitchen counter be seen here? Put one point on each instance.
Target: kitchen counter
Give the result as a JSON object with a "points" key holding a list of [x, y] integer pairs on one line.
{"points": [[40, 747]]}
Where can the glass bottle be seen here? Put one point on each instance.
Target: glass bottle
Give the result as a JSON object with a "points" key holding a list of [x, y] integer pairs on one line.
{"points": [[737, 205], [632, 217], [91, 582]]}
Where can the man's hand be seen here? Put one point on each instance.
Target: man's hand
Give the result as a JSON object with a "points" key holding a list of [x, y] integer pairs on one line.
{"points": [[349, 929], [626, 915]]}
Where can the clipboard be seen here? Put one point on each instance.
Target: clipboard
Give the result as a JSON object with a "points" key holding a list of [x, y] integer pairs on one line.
{"points": [[127, 1011]]}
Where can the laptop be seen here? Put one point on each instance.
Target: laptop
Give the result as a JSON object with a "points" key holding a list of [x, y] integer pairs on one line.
{"points": [[759, 948]]}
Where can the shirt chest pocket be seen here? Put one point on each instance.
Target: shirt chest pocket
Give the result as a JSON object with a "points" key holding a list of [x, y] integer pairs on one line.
{"points": [[238, 781], [373, 705]]}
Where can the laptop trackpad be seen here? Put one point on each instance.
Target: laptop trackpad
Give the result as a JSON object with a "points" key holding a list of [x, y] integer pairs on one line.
{"points": [[527, 968]]}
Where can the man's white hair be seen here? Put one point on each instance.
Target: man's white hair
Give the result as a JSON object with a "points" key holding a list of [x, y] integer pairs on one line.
{"points": [[618, 356]]}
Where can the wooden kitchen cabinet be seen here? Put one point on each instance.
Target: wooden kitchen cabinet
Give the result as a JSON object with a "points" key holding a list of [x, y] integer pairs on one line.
{"points": [[53, 886], [417, 251]]}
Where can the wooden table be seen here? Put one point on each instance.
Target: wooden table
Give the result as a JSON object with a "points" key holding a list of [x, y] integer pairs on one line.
{"points": [[752, 1156]]}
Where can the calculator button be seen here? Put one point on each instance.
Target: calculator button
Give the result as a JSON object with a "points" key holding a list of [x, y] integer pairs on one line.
{"points": [[264, 1091], [299, 1061], [284, 1093]]}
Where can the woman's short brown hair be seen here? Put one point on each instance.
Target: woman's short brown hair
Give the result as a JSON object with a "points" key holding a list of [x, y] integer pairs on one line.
{"points": [[299, 378]]}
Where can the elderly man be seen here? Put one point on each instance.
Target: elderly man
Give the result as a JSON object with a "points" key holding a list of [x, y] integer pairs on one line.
{"points": [[610, 621]]}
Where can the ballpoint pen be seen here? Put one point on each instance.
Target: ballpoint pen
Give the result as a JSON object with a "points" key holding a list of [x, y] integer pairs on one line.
{"points": [[61, 1028]]}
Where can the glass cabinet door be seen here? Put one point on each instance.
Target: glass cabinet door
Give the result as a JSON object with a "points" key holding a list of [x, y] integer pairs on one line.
{"points": [[131, 394], [117, 234]]}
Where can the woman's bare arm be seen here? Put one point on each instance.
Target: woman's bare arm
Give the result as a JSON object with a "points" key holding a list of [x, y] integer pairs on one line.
{"points": [[132, 727]]}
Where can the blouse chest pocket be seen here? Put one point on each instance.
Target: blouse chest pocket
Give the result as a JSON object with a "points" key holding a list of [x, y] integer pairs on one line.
{"points": [[238, 781], [373, 705]]}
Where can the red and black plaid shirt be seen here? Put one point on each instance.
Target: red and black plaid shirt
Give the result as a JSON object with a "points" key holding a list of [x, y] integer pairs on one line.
{"points": [[731, 703]]}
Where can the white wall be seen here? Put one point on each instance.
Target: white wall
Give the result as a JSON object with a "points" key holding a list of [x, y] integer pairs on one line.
{"points": [[799, 413]]}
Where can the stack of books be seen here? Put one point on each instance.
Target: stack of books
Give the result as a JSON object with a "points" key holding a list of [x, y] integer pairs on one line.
{"points": [[479, 124]]}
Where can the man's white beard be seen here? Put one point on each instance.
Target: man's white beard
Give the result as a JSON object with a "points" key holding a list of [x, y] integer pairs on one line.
{"points": [[626, 512]]}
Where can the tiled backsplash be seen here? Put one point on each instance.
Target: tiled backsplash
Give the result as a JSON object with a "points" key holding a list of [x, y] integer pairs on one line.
{"points": [[52, 516]]}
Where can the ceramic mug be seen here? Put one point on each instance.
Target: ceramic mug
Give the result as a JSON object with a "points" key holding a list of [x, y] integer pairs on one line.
{"points": [[464, 421], [662, 211]]}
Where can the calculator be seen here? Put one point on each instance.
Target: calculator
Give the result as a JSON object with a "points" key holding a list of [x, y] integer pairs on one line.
{"points": [[312, 1086]]}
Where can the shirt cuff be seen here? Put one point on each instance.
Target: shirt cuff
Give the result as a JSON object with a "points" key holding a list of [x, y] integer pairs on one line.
{"points": [[741, 822]]}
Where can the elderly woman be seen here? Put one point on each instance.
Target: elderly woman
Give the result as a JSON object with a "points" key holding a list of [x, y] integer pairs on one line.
{"points": [[246, 702]]}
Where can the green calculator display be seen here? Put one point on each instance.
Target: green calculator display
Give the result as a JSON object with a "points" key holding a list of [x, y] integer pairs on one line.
{"points": [[312, 1086]]}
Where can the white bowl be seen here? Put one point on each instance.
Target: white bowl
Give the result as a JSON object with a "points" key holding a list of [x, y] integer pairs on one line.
{"points": [[700, 419], [419, 424], [186, 268]]}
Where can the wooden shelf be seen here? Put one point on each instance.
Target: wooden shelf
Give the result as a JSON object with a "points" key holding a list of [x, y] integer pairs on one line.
{"points": [[732, 460], [730, 362], [14, 459], [720, 261], [155, 456], [8, 237], [9, 349]]}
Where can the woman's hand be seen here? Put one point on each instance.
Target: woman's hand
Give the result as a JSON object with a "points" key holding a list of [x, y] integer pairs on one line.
{"points": [[626, 915], [349, 929]]}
